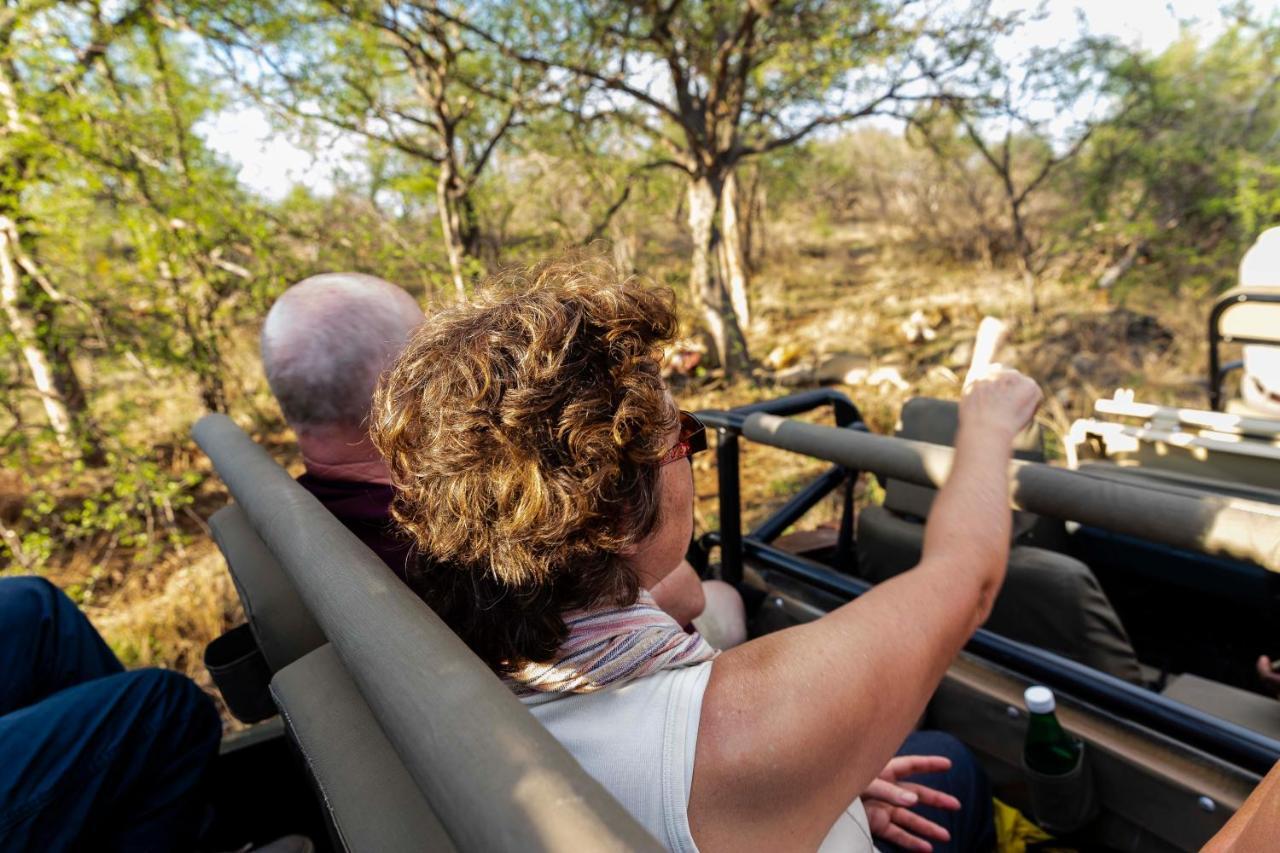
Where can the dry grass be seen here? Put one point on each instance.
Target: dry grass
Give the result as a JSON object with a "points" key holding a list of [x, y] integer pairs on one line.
{"points": [[844, 289]]}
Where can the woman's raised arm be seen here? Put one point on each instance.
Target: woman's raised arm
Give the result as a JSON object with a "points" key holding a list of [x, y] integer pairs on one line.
{"points": [[796, 724]]}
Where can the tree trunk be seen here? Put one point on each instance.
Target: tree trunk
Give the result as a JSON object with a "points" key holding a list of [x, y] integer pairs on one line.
{"points": [[753, 223], [704, 283], [733, 251], [624, 251], [25, 332], [1026, 260], [1117, 269], [451, 226]]}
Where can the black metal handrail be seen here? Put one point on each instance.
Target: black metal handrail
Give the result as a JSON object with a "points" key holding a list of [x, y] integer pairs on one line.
{"points": [[728, 428]]}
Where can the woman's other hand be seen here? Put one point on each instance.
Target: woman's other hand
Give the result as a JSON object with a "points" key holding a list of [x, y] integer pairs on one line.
{"points": [[888, 801]]}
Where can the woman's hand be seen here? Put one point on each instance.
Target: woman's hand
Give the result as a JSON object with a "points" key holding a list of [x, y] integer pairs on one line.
{"points": [[888, 802], [998, 401]]}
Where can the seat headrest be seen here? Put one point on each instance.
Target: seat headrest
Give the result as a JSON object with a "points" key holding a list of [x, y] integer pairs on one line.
{"points": [[936, 421]]}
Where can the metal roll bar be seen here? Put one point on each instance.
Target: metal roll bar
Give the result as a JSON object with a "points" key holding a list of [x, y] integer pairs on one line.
{"points": [[728, 426], [1209, 524], [496, 778]]}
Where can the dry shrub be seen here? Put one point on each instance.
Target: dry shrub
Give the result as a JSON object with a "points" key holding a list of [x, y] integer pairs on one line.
{"points": [[166, 618]]}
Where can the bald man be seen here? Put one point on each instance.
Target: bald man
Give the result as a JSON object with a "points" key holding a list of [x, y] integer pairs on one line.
{"points": [[324, 344]]}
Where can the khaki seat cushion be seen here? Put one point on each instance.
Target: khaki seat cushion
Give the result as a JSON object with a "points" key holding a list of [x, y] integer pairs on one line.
{"points": [[370, 796], [284, 628], [1254, 712], [1049, 600]]}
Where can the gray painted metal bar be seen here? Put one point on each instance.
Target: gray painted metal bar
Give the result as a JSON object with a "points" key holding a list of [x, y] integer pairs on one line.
{"points": [[1210, 524], [496, 778]]}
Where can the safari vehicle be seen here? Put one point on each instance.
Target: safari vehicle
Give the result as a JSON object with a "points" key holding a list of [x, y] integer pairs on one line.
{"points": [[410, 743], [1173, 603]]}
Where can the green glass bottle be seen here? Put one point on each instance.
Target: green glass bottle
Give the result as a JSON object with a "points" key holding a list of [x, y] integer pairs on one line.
{"points": [[1049, 749]]}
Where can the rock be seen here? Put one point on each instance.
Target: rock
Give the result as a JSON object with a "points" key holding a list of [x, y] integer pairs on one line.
{"points": [[799, 375], [917, 328], [942, 375], [784, 356], [843, 367], [886, 376], [961, 355]]}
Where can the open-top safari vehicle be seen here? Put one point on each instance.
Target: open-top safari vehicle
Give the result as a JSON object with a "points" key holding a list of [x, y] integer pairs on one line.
{"points": [[1142, 604]]}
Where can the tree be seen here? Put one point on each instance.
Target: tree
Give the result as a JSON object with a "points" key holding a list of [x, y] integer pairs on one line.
{"points": [[707, 85], [1184, 174], [1023, 120], [50, 53], [399, 74]]}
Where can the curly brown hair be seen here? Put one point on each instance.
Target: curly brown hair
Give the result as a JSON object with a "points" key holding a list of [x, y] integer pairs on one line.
{"points": [[523, 431]]}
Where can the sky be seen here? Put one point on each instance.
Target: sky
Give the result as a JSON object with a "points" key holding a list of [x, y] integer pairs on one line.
{"points": [[270, 163]]}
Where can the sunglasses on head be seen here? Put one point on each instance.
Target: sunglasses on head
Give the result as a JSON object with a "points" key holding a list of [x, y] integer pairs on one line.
{"points": [[692, 439]]}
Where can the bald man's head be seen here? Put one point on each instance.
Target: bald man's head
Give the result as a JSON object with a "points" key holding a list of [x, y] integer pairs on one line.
{"points": [[327, 340]]}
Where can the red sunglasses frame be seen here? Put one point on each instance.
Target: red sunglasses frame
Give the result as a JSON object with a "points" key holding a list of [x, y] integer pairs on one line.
{"points": [[692, 439]]}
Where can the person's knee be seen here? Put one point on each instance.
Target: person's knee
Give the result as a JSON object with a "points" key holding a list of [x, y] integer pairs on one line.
{"points": [[724, 620], [176, 702], [931, 742], [27, 601]]}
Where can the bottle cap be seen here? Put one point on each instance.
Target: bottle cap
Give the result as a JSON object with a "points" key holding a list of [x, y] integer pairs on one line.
{"points": [[1039, 700]]}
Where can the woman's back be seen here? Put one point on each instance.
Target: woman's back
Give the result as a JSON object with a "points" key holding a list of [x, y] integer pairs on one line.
{"points": [[639, 741]]}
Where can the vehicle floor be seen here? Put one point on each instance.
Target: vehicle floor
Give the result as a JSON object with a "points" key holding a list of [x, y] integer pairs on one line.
{"points": [[261, 791]]}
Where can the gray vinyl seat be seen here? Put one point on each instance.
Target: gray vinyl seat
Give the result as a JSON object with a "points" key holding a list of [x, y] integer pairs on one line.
{"points": [[282, 625], [1254, 712], [412, 742], [372, 801], [1049, 599]]}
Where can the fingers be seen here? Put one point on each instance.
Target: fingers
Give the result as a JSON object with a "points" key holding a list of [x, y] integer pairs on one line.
{"points": [[896, 835], [927, 796], [1002, 400], [882, 789], [1269, 676], [901, 766], [919, 826]]}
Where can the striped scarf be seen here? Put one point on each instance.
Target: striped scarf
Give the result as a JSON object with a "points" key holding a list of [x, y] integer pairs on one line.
{"points": [[610, 647]]}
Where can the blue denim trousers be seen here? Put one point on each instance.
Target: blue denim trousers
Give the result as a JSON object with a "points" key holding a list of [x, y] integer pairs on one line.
{"points": [[93, 757]]}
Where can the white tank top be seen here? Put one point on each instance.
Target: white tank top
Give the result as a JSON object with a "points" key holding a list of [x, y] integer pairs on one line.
{"points": [[639, 740]]}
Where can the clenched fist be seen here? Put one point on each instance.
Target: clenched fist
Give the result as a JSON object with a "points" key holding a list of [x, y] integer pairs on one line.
{"points": [[999, 400]]}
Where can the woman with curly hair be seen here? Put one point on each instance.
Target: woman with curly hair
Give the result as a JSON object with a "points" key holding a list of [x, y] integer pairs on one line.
{"points": [[539, 464]]}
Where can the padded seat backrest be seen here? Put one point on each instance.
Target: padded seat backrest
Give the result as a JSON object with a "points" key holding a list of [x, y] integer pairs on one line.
{"points": [[1251, 319], [937, 422], [284, 628], [1048, 599], [372, 800]]}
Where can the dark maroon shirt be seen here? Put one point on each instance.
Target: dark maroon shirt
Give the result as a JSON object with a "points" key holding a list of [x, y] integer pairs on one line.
{"points": [[365, 510]]}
